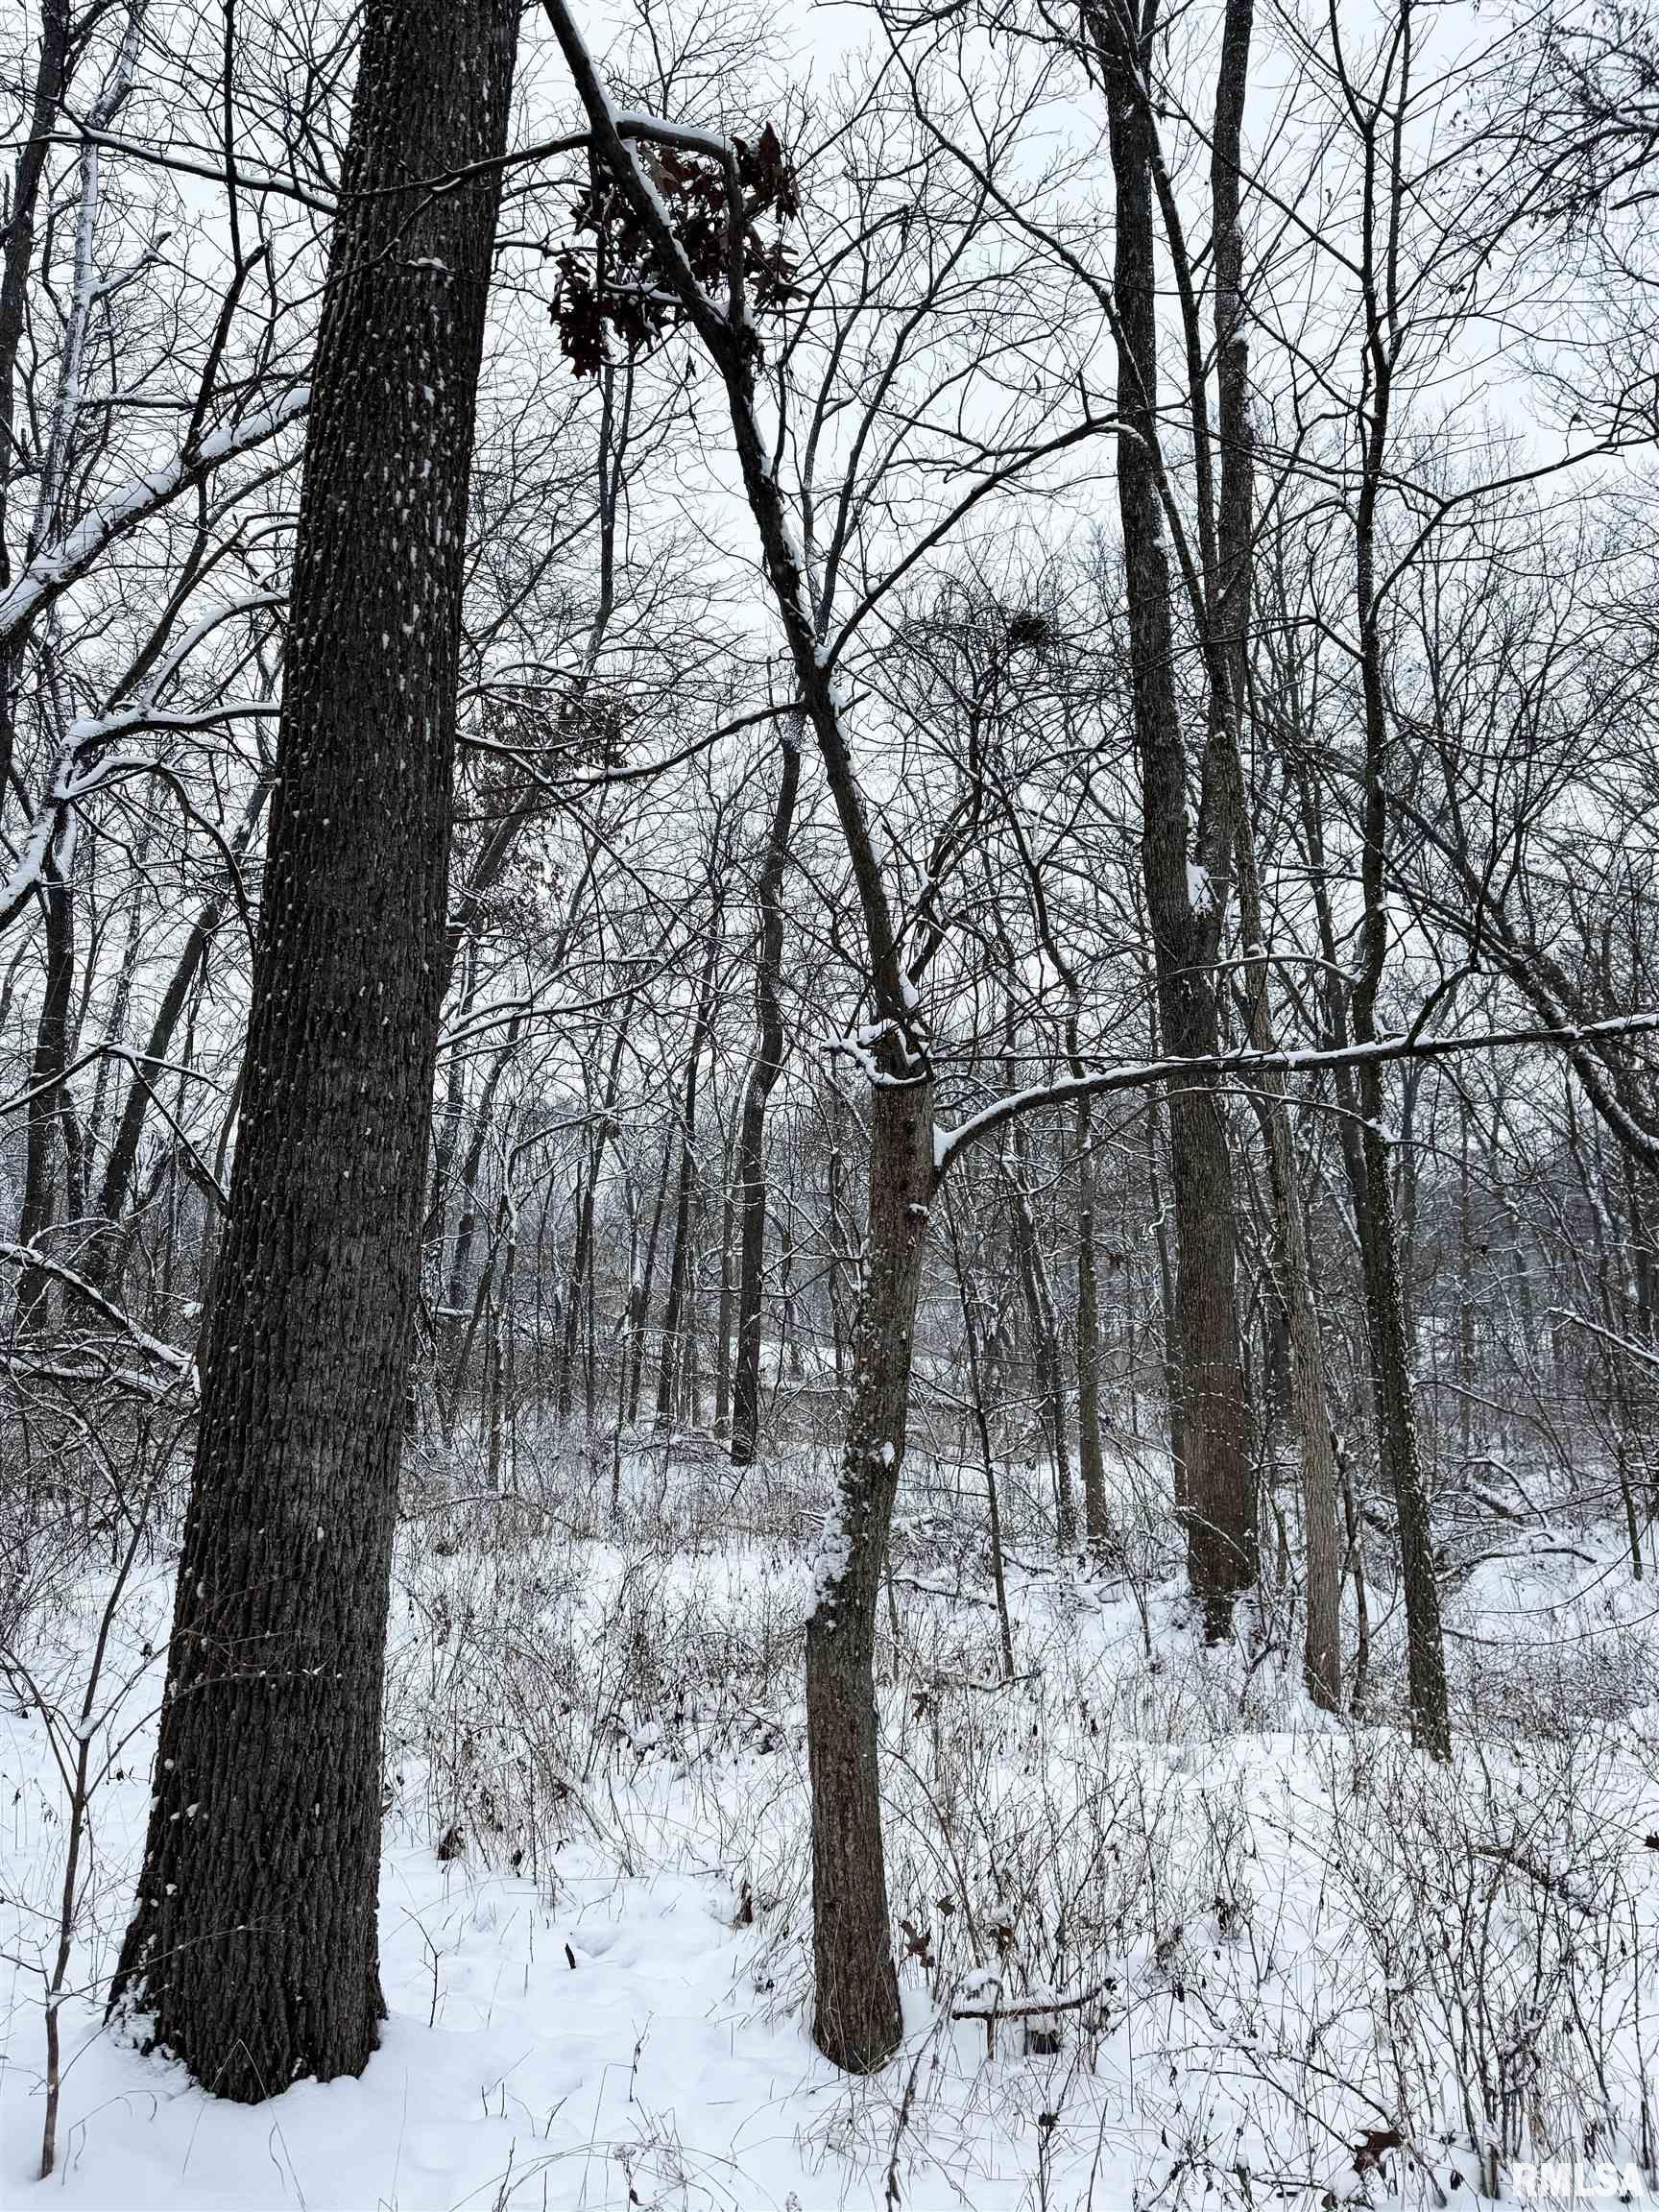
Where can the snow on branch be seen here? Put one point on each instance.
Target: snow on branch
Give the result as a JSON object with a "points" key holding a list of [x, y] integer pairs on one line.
{"points": [[1139, 1075], [59, 565], [167, 1356]]}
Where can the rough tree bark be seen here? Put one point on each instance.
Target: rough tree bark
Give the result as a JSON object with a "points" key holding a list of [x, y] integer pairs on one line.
{"points": [[253, 1943], [855, 2017]]}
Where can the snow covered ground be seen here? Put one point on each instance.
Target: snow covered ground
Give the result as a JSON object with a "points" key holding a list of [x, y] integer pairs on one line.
{"points": [[1313, 1968]]}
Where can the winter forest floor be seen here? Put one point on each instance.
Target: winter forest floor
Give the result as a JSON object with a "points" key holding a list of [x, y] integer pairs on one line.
{"points": [[1313, 1968]]}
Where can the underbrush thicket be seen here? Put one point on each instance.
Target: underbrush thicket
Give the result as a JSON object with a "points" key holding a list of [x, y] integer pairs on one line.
{"points": [[1164, 1931]]}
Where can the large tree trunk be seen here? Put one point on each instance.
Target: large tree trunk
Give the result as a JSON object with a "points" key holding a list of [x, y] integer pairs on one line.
{"points": [[752, 1131], [856, 2021], [253, 1944]]}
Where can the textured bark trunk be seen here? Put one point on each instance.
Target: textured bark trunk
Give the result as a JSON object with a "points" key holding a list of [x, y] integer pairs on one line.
{"points": [[253, 1946], [1379, 1236], [857, 2015], [841, 1236], [1168, 1318], [752, 1133], [856, 2019]]}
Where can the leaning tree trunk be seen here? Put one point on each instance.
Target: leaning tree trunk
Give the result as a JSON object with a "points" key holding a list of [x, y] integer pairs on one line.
{"points": [[752, 1131], [857, 2020], [253, 1944]]}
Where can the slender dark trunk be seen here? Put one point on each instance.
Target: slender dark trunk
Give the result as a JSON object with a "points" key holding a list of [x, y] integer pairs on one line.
{"points": [[51, 85], [122, 1159], [579, 1300], [454, 1319], [48, 1122], [680, 1252], [1044, 1326], [1378, 1232], [1090, 1457], [1185, 897], [252, 1946], [639, 1291], [974, 1344], [580, 1261], [752, 1130], [726, 1324]]}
